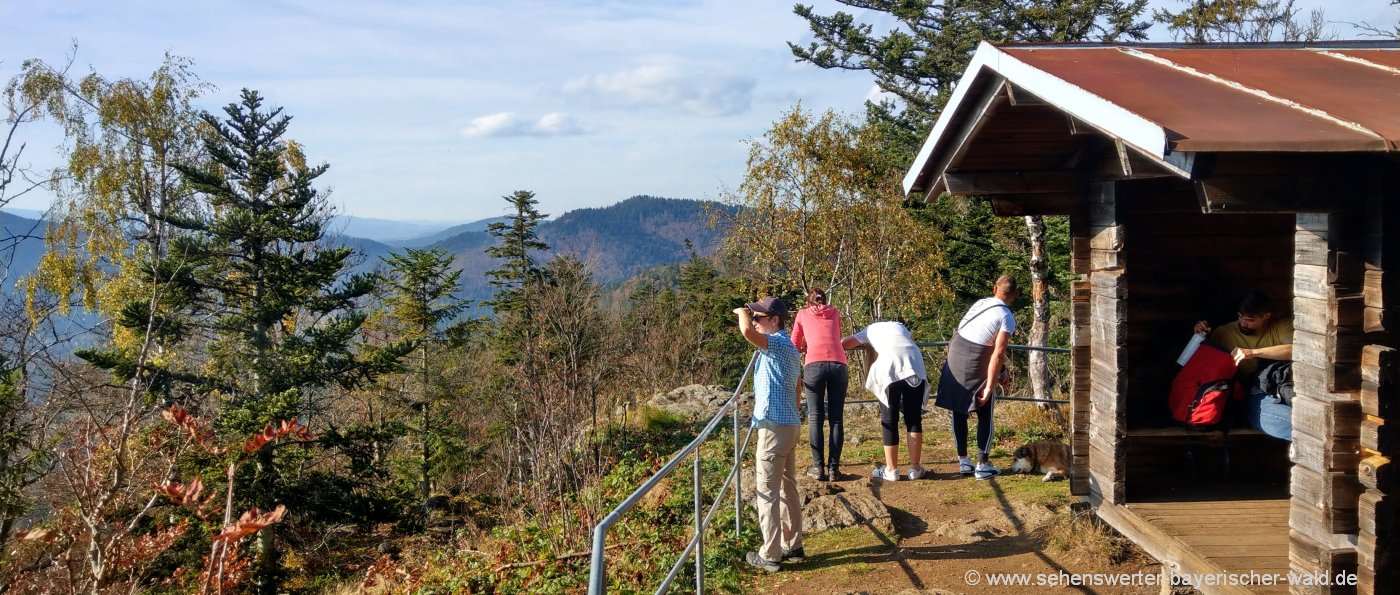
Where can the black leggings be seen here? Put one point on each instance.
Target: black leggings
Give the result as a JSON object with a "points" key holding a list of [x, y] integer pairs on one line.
{"points": [[901, 397], [984, 429]]}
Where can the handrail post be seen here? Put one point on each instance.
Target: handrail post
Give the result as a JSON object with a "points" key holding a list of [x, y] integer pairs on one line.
{"points": [[738, 475], [699, 530], [596, 581]]}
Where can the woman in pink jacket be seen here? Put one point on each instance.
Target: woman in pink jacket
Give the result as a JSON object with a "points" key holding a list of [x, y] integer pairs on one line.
{"points": [[817, 334]]}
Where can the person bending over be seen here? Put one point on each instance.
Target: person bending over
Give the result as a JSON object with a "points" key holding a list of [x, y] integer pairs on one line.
{"points": [[900, 382]]}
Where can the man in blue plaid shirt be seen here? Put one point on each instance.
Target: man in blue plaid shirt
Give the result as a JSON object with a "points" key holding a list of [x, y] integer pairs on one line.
{"points": [[777, 374]]}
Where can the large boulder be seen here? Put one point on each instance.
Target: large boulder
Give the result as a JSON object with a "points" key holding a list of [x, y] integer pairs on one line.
{"points": [[847, 509], [695, 402], [827, 505]]}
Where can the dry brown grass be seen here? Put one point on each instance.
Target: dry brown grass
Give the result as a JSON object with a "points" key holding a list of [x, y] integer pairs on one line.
{"points": [[1030, 422], [1082, 538]]}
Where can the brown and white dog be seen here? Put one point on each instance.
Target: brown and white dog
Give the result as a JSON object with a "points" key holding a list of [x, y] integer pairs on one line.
{"points": [[1043, 456]]}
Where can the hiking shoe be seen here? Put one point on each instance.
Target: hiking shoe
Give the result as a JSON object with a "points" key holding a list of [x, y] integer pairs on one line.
{"points": [[965, 467], [797, 555], [817, 472], [885, 473], [760, 563], [916, 472], [986, 471], [834, 472]]}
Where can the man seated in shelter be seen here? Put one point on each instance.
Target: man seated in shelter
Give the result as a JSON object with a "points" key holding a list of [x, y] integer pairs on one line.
{"points": [[1261, 342]]}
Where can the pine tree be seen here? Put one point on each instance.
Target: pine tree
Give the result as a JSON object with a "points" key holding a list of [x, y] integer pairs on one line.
{"points": [[922, 57], [1205, 21], [519, 242], [518, 274], [423, 287], [285, 311]]}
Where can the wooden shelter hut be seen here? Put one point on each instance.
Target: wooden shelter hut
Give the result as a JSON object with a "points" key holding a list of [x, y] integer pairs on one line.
{"points": [[1190, 174]]}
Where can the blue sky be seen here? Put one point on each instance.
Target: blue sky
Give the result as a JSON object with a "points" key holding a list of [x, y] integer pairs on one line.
{"points": [[434, 109]]}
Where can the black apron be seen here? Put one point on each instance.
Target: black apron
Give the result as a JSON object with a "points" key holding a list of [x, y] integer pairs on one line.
{"points": [[963, 375]]}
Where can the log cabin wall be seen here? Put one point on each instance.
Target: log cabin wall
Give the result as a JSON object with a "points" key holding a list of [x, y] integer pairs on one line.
{"points": [[1080, 338], [1107, 353], [1380, 382], [1323, 514]]}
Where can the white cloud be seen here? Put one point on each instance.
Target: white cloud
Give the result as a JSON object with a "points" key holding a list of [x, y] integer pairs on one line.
{"points": [[665, 85], [556, 124], [511, 124]]}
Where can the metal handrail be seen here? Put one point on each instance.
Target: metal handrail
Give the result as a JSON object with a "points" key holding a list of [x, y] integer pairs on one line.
{"points": [[999, 397], [597, 581]]}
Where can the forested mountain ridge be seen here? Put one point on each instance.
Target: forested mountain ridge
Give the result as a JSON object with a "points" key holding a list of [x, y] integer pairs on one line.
{"points": [[428, 240], [387, 231], [636, 234], [616, 242]]}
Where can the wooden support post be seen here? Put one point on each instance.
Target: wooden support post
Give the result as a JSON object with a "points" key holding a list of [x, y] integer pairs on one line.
{"points": [[1107, 461], [1080, 383], [1328, 431], [1378, 570]]}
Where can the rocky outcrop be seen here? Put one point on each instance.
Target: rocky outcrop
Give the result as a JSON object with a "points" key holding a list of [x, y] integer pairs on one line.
{"points": [[828, 505], [995, 521], [695, 402]]}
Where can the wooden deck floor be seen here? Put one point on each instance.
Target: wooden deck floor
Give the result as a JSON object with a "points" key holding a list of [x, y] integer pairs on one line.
{"points": [[1233, 536]]}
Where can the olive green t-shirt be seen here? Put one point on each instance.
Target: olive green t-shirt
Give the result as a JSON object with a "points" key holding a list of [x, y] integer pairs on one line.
{"points": [[1279, 332]]}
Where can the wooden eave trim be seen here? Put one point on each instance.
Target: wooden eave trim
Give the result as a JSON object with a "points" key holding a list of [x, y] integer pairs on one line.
{"points": [[994, 96], [1013, 182]]}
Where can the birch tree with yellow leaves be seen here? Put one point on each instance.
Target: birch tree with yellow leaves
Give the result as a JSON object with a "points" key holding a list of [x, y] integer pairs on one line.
{"points": [[821, 205]]}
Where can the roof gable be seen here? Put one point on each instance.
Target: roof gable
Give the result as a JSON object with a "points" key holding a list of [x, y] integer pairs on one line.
{"points": [[1170, 102]]}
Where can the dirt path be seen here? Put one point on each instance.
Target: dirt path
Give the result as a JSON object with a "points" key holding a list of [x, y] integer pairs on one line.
{"points": [[950, 533]]}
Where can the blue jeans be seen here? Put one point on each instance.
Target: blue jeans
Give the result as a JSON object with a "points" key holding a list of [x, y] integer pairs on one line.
{"points": [[1268, 414]]}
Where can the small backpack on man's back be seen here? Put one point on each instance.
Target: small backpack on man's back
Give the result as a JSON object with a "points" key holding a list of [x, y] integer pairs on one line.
{"points": [[1203, 389]]}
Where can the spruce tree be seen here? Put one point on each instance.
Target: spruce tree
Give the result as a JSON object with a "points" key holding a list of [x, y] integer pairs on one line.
{"points": [[518, 274], [284, 310], [422, 297], [519, 242]]}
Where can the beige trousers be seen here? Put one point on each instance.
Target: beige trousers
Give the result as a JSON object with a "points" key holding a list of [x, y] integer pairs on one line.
{"points": [[779, 505]]}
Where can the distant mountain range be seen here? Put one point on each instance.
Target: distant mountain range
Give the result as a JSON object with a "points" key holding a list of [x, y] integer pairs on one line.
{"points": [[383, 230], [21, 245], [617, 241], [446, 234]]}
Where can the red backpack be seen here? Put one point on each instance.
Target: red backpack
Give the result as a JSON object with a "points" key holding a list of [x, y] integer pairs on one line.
{"points": [[1202, 389]]}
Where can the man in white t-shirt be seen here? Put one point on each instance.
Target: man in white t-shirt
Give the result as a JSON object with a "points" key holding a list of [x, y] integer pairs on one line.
{"points": [[973, 369]]}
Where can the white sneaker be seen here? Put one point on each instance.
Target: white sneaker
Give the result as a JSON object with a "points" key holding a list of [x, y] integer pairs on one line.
{"points": [[986, 471], [917, 472], [885, 473]]}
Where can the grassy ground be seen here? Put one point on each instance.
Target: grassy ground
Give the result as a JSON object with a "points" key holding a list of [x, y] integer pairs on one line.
{"points": [[947, 525]]}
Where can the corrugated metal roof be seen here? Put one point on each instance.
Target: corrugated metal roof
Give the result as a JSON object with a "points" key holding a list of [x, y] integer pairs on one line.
{"points": [[1171, 101]]}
